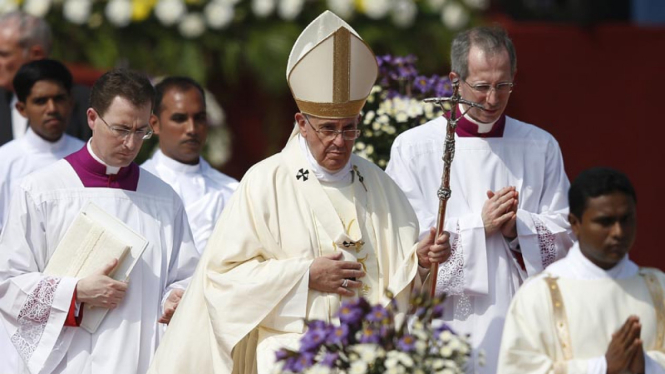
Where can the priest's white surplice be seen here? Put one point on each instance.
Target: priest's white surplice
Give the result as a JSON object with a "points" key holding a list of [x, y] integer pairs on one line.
{"points": [[482, 275], [22, 156], [250, 292], [204, 191], [33, 307], [569, 330]]}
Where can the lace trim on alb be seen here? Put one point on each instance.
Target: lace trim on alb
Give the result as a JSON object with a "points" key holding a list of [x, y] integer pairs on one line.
{"points": [[33, 317], [546, 242], [450, 279]]}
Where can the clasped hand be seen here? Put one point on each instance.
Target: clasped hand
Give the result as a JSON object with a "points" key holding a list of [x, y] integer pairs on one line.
{"points": [[430, 251], [625, 353], [500, 212]]}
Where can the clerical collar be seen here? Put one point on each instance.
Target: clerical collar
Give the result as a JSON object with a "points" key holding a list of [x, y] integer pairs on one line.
{"points": [[468, 127], [94, 173], [582, 268], [109, 169], [177, 166], [42, 145], [321, 173]]}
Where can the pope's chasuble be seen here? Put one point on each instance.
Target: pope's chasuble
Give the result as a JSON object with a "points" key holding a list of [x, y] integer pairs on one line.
{"points": [[562, 321], [484, 272], [34, 307], [250, 295], [204, 191]]}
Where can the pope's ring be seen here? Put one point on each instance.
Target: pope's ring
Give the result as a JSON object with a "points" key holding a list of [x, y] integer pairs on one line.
{"points": [[345, 283]]}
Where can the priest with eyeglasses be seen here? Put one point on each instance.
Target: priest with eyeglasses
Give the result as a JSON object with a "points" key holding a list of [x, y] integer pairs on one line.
{"points": [[306, 229], [507, 214], [44, 311]]}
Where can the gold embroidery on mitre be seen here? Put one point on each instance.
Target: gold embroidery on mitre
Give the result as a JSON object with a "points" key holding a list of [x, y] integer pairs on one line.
{"points": [[331, 110], [341, 65]]}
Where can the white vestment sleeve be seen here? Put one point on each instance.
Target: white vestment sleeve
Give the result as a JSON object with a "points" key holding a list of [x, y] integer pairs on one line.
{"points": [[545, 236], [291, 310], [33, 307], [654, 362], [184, 257]]}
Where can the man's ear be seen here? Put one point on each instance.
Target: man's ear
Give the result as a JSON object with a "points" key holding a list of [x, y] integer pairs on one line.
{"points": [[154, 123], [91, 116], [574, 223], [36, 52], [452, 76], [302, 124], [20, 106]]}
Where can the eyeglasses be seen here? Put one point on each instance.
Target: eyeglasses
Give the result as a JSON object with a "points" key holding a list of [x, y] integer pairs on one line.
{"points": [[484, 88], [330, 135], [123, 133]]}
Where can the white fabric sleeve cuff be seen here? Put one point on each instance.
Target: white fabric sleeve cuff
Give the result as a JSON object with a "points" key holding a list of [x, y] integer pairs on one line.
{"points": [[597, 365], [290, 313], [651, 366], [513, 244]]}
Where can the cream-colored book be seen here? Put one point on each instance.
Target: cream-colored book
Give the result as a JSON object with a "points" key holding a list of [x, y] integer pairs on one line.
{"points": [[92, 240]]}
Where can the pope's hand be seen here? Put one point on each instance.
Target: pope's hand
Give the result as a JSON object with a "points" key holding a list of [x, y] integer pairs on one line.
{"points": [[500, 212], [625, 344], [331, 274], [170, 305], [100, 290], [430, 252]]}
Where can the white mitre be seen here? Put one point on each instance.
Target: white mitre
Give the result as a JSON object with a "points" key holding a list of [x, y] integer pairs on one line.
{"points": [[331, 70]]}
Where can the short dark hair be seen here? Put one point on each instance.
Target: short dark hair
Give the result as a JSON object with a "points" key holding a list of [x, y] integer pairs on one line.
{"points": [[597, 182], [128, 84], [489, 39], [179, 83], [40, 70]]}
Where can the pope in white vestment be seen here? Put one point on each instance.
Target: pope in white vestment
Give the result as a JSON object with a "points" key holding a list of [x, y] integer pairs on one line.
{"points": [[34, 307], [492, 152], [203, 190], [253, 288]]}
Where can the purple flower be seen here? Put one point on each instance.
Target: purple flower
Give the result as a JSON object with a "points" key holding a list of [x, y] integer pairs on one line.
{"points": [[282, 354], [407, 343], [422, 84], [339, 335], [377, 314], [329, 359], [369, 335], [437, 310], [304, 361], [443, 327], [314, 337], [353, 311]]}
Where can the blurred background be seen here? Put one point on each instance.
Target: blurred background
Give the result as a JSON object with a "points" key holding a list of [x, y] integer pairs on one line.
{"points": [[590, 72]]}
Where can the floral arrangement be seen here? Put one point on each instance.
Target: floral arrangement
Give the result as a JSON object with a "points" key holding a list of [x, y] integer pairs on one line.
{"points": [[395, 105], [369, 341]]}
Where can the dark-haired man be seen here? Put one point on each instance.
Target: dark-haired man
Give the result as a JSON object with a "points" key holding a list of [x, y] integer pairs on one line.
{"points": [[180, 121], [42, 313], [43, 88], [595, 311]]}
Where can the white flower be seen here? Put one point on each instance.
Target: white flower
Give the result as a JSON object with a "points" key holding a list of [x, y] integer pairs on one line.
{"points": [[77, 11], [319, 369], [369, 116], [421, 345], [263, 8], [343, 8], [169, 12], [369, 352], [360, 146], [376, 9], [192, 25], [7, 6], [478, 4], [37, 8], [446, 336], [358, 367], [446, 351], [404, 13], [119, 12], [381, 120], [436, 4], [382, 163], [289, 9], [218, 14], [454, 16], [401, 117], [229, 2], [369, 149]]}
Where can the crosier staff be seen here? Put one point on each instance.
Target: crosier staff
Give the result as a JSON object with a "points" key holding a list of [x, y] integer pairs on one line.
{"points": [[448, 154]]}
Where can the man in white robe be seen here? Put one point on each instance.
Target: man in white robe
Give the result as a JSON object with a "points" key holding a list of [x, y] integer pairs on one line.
{"points": [[180, 121], [507, 212], [306, 228], [595, 311], [41, 313], [43, 89]]}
